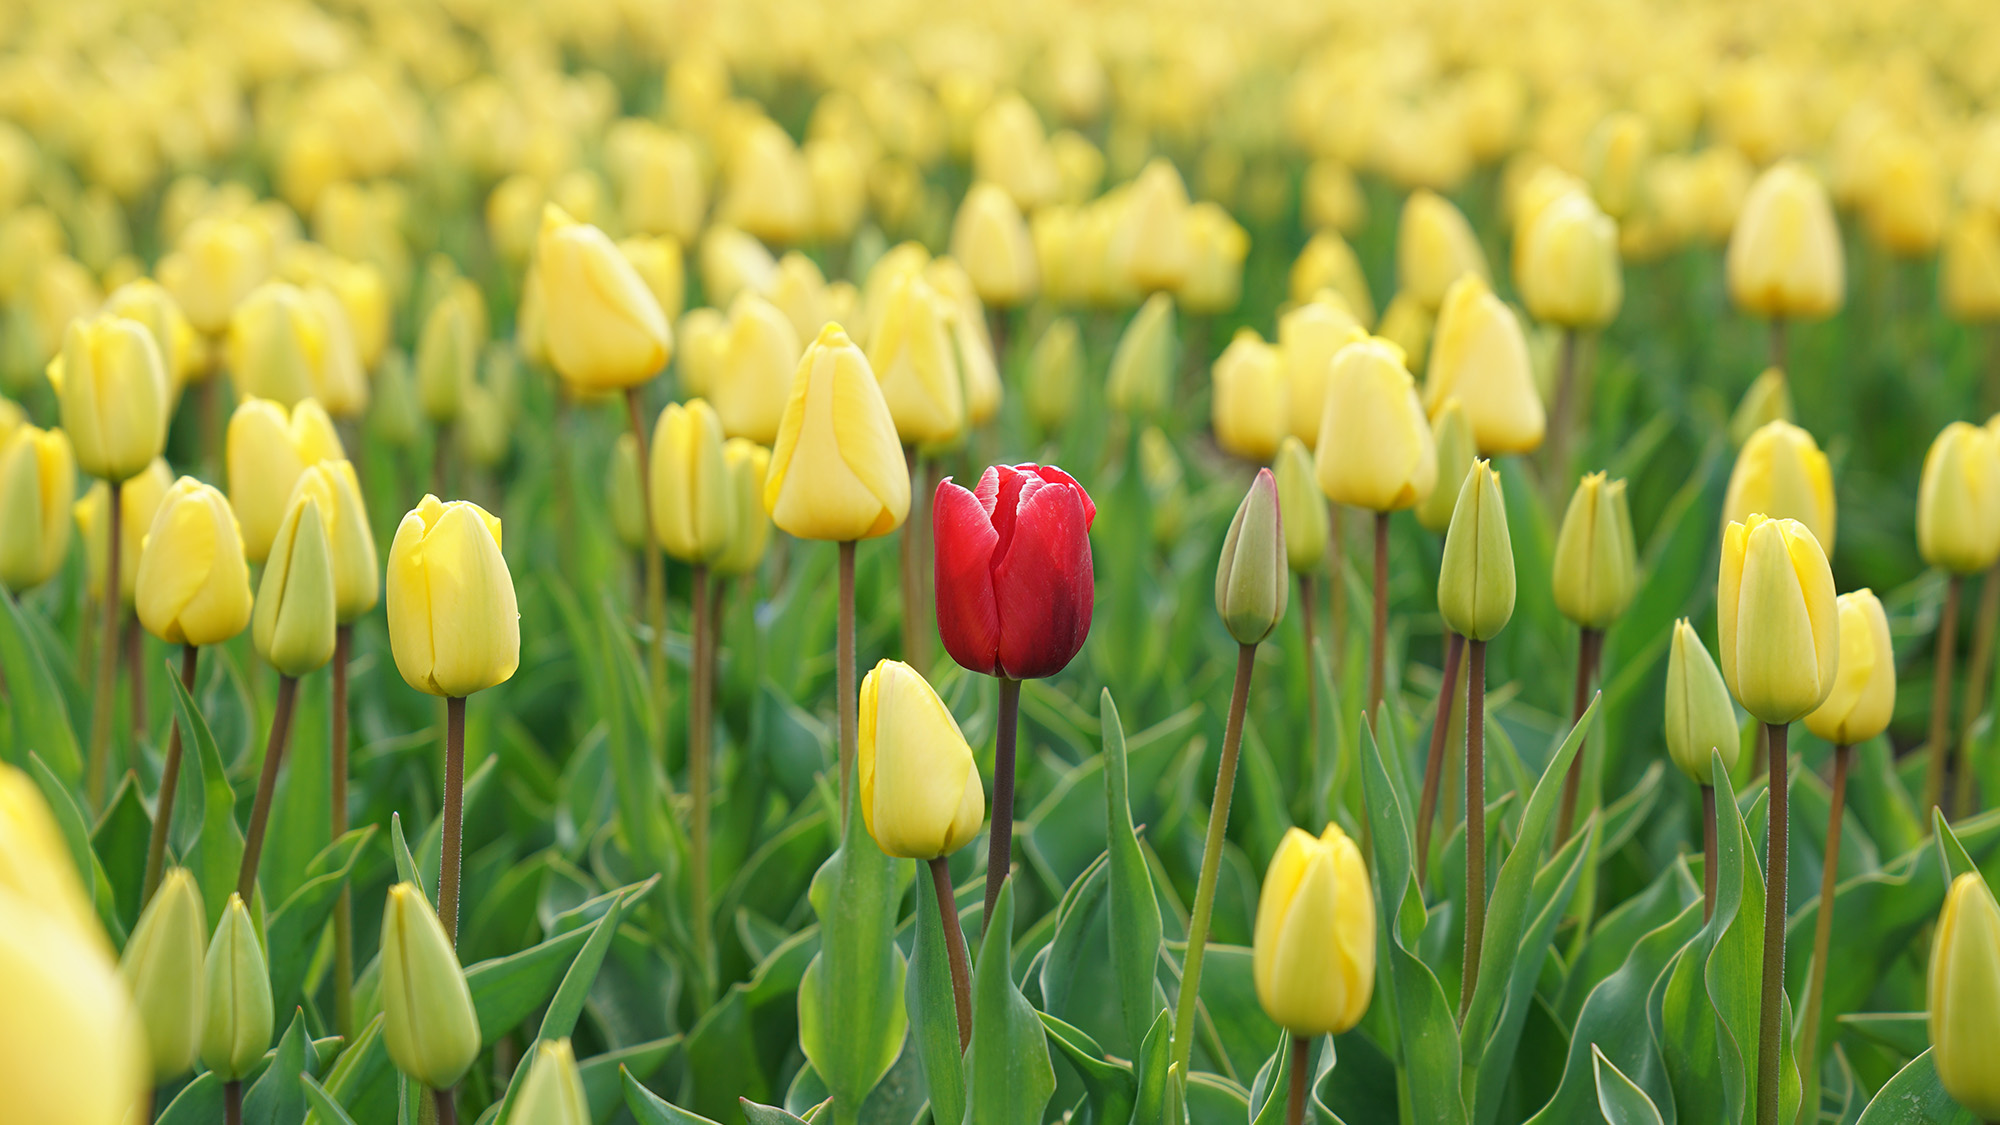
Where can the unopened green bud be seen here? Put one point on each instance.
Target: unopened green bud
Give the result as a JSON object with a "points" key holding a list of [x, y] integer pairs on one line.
{"points": [[1142, 368], [237, 1029], [1250, 583], [1700, 717], [1476, 579], [393, 410], [1302, 505], [1769, 399], [163, 966], [294, 620], [428, 1022], [1455, 453], [552, 1094], [1597, 561], [621, 489], [1054, 368]]}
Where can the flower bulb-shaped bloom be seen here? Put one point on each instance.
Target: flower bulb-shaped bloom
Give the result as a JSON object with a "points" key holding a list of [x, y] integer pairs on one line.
{"points": [[731, 262], [1782, 474], [919, 789], [693, 516], [1567, 264], [910, 349], [1699, 716], [447, 359], [1408, 324], [1010, 148], [193, 584], [294, 619], [1251, 582], [265, 450], [1331, 198], [454, 624], [112, 388], [658, 263], [236, 1028], [752, 374], [364, 296], [277, 345], [1156, 218], [991, 239], [37, 479], [1308, 338], [1864, 686], [605, 330], [622, 495], [1784, 254], [1476, 576], [552, 1093], [1596, 570], [138, 501], [1906, 207], [1375, 449], [1479, 356], [838, 180], [357, 583], [342, 386], [1055, 371], [977, 366], [662, 190], [1969, 275], [165, 966], [1301, 507], [1313, 948], [1964, 993], [1014, 583], [837, 468], [72, 1050], [799, 290], [703, 334], [1452, 434], [747, 464], [149, 303], [1768, 400], [214, 265], [1958, 500], [1435, 246], [1779, 626], [1216, 249], [767, 186], [1247, 397], [428, 1023]]}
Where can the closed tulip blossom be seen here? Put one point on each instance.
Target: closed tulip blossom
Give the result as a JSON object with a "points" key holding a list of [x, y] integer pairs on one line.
{"points": [[1309, 336], [1785, 260], [1451, 432], [454, 627], [1435, 246], [164, 964], [1479, 356], [193, 584], [1313, 949], [837, 469], [428, 1023], [237, 1028], [277, 345], [1328, 262], [747, 464], [1247, 402], [1964, 991], [1567, 264], [920, 791], [1375, 449], [749, 377], [1596, 559], [691, 514], [1302, 508], [294, 619], [1699, 715], [214, 265], [447, 356], [912, 354], [1142, 367], [1958, 500], [605, 329], [37, 479], [1216, 249], [357, 583], [111, 385], [1782, 474], [1250, 581], [552, 1093], [991, 239], [267, 447], [1013, 570]]}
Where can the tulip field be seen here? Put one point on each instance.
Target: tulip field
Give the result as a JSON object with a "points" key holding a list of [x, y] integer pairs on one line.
{"points": [[878, 563]]}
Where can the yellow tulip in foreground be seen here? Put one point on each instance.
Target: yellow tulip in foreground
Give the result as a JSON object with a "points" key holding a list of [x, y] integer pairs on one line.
{"points": [[1435, 246], [428, 1023], [1699, 716], [112, 388], [920, 792], [357, 582], [266, 449], [605, 330], [165, 966], [1784, 258], [1779, 625], [1313, 949], [837, 469], [1965, 996], [1476, 576], [454, 625], [1596, 569], [1375, 449], [1864, 686], [1247, 400], [138, 502], [294, 620], [692, 514], [1567, 264], [72, 1051], [193, 584], [236, 1030], [1782, 473], [911, 352], [1479, 356], [37, 479], [1958, 500]]}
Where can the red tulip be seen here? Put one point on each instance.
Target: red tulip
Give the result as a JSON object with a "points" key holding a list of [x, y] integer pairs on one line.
{"points": [[1013, 570]]}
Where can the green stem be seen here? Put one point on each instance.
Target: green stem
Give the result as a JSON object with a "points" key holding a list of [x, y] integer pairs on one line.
{"points": [[1475, 824], [170, 780], [1590, 650], [699, 749], [454, 820], [656, 566], [1984, 624], [1000, 841], [1823, 926], [1770, 1028], [343, 907], [1940, 742], [107, 658], [1378, 639], [1708, 843], [1308, 587], [267, 784], [1454, 651], [848, 703]]}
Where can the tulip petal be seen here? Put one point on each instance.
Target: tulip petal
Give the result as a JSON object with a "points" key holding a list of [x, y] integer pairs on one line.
{"points": [[968, 613], [1042, 582]]}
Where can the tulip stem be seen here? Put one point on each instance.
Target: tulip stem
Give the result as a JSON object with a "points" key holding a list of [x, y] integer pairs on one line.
{"points": [[916, 631], [656, 566], [267, 783], [1000, 842], [1336, 595], [1823, 927], [447, 1107], [1475, 824], [1981, 666], [954, 947], [135, 675], [849, 703], [699, 748], [1295, 1100], [454, 817], [1211, 859], [170, 781], [1589, 652], [1559, 416], [1454, 652], [1379, 639], [107, 659], [1707, 852], [343, 907], [1308, 588], [232, 1103], [1947, 645], [1770, 1026]]}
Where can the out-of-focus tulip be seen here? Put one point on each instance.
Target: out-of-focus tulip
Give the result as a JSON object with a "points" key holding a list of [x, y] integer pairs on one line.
{"points": [[63, 291], [552, 1093], [1216, 249], [294, 618], [1375, 449], [454, 624], [1331, 198], [1619, 150], [112, 388], [482, 428], [605, 330], [1906, 208], [1958, 500], [1079, 166], [1014, 585], [1157, 214], [839, 182], [1596, 570], [1251, 583], [1435, 246], [703, 335], [1567, 264], [910, 350], [1328, 262], [622, 493], [1301, 507], [1969, 277], [693, 513], [903, 260], [342, 386], [1784, 258], [1699, 716], [1142, 367], [448, 346], [265, 450], [1165, 481], [277, 345], [731, 262], [236, 1029], [138, 501], [767, 185], [1309, 336], [1055, 370], [164, 965], [661, 189], [1782, 473], [1479, 356], [1768, 400], [1010, 149], [215, 264], [991, 239], [658, 263], [753, 367], [1864, 687], [1247, 400], [428, 1022], [1451, 432], [921, 796], [37, 479], [364, 296], [1409, 325], [747, 464], [1476, 577], [1964, 993], [978, 366], [799, 291], [837, 468], [37, 873], [149, 303], [1779, 624], [1313, 949], [193, 585], [357, 583]]}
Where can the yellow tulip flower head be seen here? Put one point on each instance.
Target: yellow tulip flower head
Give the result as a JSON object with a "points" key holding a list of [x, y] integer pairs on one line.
{"points": [[342, 386], [1479, 356], [1969, 278], [1301, 506], [266, 448], [1216, 249], [1142, 367], [732, 261], [1328, 262], [767, 186], [657, 261], [1476, 577], [236, 1030], [454, 624], [1964, 989], [1700, 719], [1309, 336], [991, 239], [1009, 148], [214, 265], [1567, 264], [37, 479], [1157, 222], [1313, 948], [747, 464], [750, 374], [1451, 432], [1247, 397], [149, 303], [1596, 570], [799, 290], [605, 330], [72, 1050], [1409, 325], [357, 583], [428, 1022], [912, 354], [693, 514], [112, 388], [193, 584], [138, 500], [1331, 199], [1909, 199], [1779, 626], [1785, 259], [294, 618], [918, 785], [448, 346], [277, 345], [1864, 688], [1958, 500], [1375, 449], [1435, 246], [164, 965], [837, 469], [1782, 473]]}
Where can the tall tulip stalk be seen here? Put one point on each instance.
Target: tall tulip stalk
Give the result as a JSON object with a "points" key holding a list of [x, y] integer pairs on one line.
{"points": [[1700, 722], [1567, 266], [1594, 579], [1785, 260]]}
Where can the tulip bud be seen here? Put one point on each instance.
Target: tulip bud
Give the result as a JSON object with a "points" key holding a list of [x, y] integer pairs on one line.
{"points": [[853, 482], [236, 1029], [1156, 217], [213, 267], [193, 585], [768, 187], [991, 239], [1620, 148], [454, 624], [1567, 264], [552, 1093], [1480, 357], [1452, 434], [1964, 989], [1779, 625], [1016, 606], [731, 262], [911, 352], [1247, 399], [37, 479], [1699, 717], [692, 513], [1009, 148], [799, 291], [663, 191], [898, 262], [1055, 368], [1216, 249], [1969, 278], [428, 1022], [751, 377], [704, 348], [1768, 400], [1864, 686], [293, 622], [364, 297], [1251, 583], [357, 584], [277, 345], [977, 365], [1331, 198], [747, 464], [164, 966], [1309, 336], [658, 263], [920, 792], [265, 451], [1958, 500], [1782, 474], [623, 496], [150, 304], [1906, 209], [113, 393], [1301, 507], [138, 501], [1375, 448], [448, 349], [1784, 254], [1313, 949], [1596, 560], [1435, 246], [76, 1053], [394, 413], [1408, 324], [1476, 577]]}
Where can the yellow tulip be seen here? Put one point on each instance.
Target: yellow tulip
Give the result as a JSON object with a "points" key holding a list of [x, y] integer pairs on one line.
{"points": [[692, 513], [364, 295], [704, 346], [1784, 257], [149, 303], [751, 376], [658, 263], [37, 871], [1782, 473], [977, 365], [138, 501], [1435, 246], [1969, 277], [1409, 325], [1142, 367], [1157, 218], [1375, 449], [919, 788], [1700, 719], [747, 464], [910, 349], [448, 348], [1567, 264], [1864, 687], [1620, 148], [1247, 398], [1451, 432], [293, 621], [991, 239], [662, 191], [265, 450], [214, 265], [552, 1093], [1079, 166], [1958, 500], [1476, 577], [164, 966], [1779, 624], [898, 262], [193, 584], [799, 291], [1055, 369], [277, 345], [1596, 566], [1331, 198], [731, 262], [37, 479], [1480, 357], [357, 583], [428, 1022], [837, 469], [236, 1030], [1491, 103], [1309, 336], [604, 328], [767, 187], [342, 386], [454, 624], [112, 389], [1909, 200], [1302, 507], [1216, 249], [1768, 400], [1964, 988], [72, 1050], [1010, 149], [1313, 947]]}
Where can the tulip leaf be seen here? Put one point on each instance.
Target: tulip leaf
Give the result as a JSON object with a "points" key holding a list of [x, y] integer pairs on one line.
{"points": [[302, 801], [507, 990], [1008, 1076], [119, 841], [1150, 1070], [36, 705], [1212, 1097], [933, 1009], [1075, 921], [1619, 1098], [218, 853], [200, 1101], [1135, 911], [1916, 1096], [649, 1108], [756, 1114], [276, 1098], [1906, 1033], [293, 931], [604, 1075], [1270, 1093], [358, 1079], [1109, 1086], [406, 864], [1952, 857], [70, 822], [320, 1106]]}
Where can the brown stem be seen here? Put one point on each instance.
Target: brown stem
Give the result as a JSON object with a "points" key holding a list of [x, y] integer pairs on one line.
{"points": [[1000, 841], [170, 782], [1295, 1099], [1307, 587], [954, 947], [1976, 672], [699, 749], [1707, 852], [1589, 650], [440, 443], [267, 783], [1379, 638], [1560, 423], [135, 674], [107, 658], [1808, 1055], [232, 1103], [843, 648], [454, 816], [656, 566], [1940, 747], [447, 1107], [1770, 1026], [1336, 596], [1454, 651], [1475, 824], [343, 907], [916, 634]]}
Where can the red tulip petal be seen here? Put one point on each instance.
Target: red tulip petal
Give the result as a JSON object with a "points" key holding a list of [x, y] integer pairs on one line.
{"points": [[1056, 476], [964, 539], [1042, 582]]}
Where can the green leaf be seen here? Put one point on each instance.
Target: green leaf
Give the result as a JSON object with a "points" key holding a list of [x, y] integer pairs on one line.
{"points": [[218, 853], [1135, 911], [119, 841], [650, 1109], [1952, 857], [1270, 1093], [1008, 1076], [933, 1008], [359, 1079], [41, 718], [757, 1114], [294, 929], [1075, 922], [1151, 1069], [406, 864], [1110, 1086], [604, 1075], [70, 822], [320, 1105], [1915, 1096], [1906, 1033], [507, 990], [1619, 1098], [277, 1098]]}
